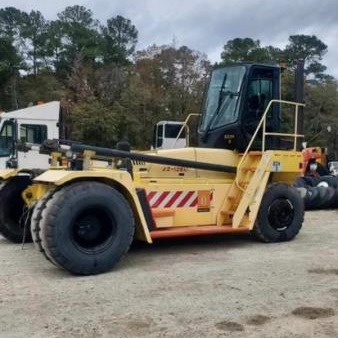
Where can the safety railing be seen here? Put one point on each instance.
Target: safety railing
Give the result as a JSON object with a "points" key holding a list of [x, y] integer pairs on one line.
{"points": [[262, 124], [186, 127]]}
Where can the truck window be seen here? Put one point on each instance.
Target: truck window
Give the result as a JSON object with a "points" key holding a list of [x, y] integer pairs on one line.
{"points": [[33, 133], [7, 139], [172, 130]]}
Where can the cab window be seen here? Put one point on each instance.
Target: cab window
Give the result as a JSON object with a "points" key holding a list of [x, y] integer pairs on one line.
{"points": [[172, 130], [33, 133], [259, 93], [7, 139]]}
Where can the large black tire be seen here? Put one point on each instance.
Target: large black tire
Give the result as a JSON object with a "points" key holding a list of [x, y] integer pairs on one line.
{"points": [[331, 192], [310, 180], [12, 208], [335, 199], [327, 181], [300, 182], [324, 197], [281, 214], [85, 227], [312, 198], [35, 220]]}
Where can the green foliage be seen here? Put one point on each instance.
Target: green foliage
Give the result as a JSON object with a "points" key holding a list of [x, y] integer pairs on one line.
{"points": [[321, 108], [94, 123], [110, 92], [248, 50], [80, 36], [11, 22], [9, 64], [308, 48], [33, 32], [120, 38], [43, 87]]}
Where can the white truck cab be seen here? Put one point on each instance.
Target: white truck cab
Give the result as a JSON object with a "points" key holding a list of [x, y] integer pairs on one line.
{"points": [[32, 125], [168, 135]]}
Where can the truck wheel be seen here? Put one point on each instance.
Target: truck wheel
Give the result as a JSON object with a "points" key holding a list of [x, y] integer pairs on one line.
{"points": [[86, 227], [35, 220], [12, 209], [281, 214]]}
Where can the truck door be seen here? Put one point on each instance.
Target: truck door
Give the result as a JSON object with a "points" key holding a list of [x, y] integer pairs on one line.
{"points": [[7, 142], [29, 132]]}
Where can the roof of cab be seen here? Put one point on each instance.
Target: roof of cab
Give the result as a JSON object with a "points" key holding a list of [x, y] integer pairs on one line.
{"points": [[46, 111]]}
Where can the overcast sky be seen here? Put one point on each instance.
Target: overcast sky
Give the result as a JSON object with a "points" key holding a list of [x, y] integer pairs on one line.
{"points": [[206, 25]]}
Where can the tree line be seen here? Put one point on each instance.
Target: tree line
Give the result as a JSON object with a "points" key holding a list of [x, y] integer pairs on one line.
{"points": [[109, 90]]}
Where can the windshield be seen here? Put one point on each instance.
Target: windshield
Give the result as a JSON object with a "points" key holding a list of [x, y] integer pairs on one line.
{"points": [[221, 106]]}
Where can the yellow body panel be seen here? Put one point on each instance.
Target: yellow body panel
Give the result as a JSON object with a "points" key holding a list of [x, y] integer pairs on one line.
{"points": [[213, 156], [184, 197], [58, 178], [5, 174]]}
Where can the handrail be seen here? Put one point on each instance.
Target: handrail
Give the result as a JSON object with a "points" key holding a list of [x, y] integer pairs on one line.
{"points": [[184, 125], [261, 123]]}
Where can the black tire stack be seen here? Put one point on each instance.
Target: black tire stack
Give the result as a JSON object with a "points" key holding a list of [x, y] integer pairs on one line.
{"points": [[318, 192]]}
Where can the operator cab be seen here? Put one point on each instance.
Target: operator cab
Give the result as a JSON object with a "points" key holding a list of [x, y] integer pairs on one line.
{"points": [[234, 103]]}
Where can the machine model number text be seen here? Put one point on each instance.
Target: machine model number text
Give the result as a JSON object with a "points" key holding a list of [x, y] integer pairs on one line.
{"points": [[175, 169]]}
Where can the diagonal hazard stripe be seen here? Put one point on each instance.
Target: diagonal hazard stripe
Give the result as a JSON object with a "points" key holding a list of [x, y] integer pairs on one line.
{"points": [[185, 199], [151, 195], [163, 195], [173, 199]]}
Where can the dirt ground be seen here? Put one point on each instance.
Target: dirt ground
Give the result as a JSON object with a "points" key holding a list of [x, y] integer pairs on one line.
{"points": [[215, 287]]}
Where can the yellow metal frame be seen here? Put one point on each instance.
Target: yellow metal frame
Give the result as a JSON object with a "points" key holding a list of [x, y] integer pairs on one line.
{"points": [[262, 123], [242, 203]]}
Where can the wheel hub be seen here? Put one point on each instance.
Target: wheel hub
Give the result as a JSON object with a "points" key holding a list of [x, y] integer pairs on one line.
{"points": [[92, 229], [88, 228], [281, 213]]}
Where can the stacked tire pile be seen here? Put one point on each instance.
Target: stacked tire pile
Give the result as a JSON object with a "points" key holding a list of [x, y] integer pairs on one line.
{"points": [[318, 192]]}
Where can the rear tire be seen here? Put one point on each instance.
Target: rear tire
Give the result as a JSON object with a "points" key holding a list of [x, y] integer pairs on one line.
{"points": [[86, 227], [281, 214], [12, 209]]}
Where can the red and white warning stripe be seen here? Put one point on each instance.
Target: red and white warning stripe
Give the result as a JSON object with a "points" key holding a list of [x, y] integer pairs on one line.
{"points": [[172, 199]]}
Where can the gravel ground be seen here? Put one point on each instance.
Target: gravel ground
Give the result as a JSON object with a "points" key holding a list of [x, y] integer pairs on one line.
{"points": [[215, 287]]}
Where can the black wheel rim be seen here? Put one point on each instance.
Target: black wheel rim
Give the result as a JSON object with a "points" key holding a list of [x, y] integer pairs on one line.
{"points": [[93, 229], [281, 214]]}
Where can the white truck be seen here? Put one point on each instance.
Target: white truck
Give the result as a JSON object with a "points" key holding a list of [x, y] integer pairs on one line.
{"points": [[32, 125], [172, 134]]}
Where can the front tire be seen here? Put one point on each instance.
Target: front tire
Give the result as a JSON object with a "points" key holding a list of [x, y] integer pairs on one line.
{"points": [[281, 214], [12, 209], [86, 227]]}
